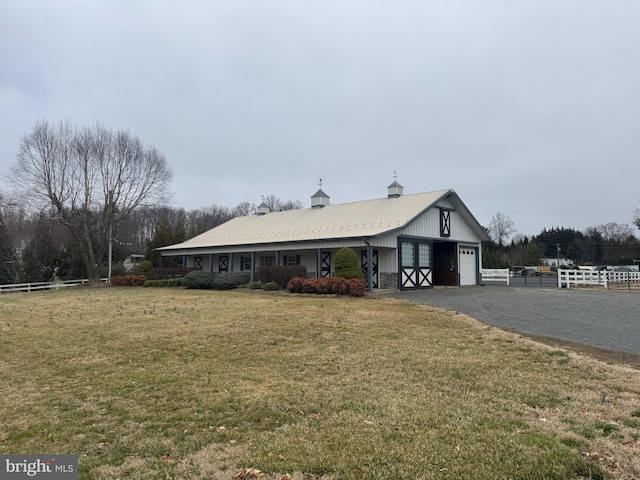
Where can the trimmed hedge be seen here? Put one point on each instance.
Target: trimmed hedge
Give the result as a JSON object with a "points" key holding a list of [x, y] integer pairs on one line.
{"points": [[198, 279], [255, 285], [281, 274], [229, 280], [270, 286], [217, 281], [328, 285], [128, 281]]}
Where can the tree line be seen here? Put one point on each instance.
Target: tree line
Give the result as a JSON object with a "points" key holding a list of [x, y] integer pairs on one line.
{"points": [[605, 244], [35, 247]]}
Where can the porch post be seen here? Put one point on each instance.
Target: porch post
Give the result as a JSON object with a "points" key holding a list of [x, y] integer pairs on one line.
{"points": [[253, 265], [369, 267], [318, 263]]}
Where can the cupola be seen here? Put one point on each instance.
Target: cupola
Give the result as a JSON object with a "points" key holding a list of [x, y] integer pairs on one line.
{"points": [[263, 209], [395, 189], [319, 199]]}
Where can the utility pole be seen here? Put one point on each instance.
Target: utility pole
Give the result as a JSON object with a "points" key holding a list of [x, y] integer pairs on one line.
{"points": [[558, 254], [110, 235]]}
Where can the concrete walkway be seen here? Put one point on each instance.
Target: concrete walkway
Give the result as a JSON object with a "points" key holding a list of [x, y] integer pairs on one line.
{"points": [[608, 319]]}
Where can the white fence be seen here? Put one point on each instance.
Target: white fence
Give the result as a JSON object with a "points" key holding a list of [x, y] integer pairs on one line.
{"points": [[34, 287], [495, 275], [569, 278]]}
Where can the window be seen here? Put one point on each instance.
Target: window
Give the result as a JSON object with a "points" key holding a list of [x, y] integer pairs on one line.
{"points": [[416, 253], [291, 260], [267, 261], [408, 254], [424, 255], [245, 263]]}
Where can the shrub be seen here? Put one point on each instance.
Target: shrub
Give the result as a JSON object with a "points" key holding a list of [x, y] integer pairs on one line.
{"points": [[128, 281], [357, 288], [270, 286], [255, 285], [199, 279], [169, 272], [148, 283], [163, 283], [144, 267], [347, 265], [328, 285], [281, 274], [174, 282], [295, 285], [229, 280]]}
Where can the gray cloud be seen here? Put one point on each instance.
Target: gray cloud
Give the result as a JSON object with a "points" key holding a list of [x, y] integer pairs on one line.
{"points": [[529, 108]]}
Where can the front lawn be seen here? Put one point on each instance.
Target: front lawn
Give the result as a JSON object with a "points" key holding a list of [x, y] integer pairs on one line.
{"points": [[174, 383]]}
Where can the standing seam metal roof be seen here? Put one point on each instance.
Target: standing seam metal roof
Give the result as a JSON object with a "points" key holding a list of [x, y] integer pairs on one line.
{"points": [[368, 218]]}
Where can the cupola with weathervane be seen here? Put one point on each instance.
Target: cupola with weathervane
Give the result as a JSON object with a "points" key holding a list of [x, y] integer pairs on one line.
{"points": [[319, 199], [263, 208], [395, 189]]}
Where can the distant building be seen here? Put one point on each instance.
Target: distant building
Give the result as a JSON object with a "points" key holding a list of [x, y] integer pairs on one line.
{"points": [[553, 262], [403, 241], [132, 262]]}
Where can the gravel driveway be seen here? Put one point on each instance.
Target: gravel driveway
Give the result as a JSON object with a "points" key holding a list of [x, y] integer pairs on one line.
{"points": [[600, 318]]}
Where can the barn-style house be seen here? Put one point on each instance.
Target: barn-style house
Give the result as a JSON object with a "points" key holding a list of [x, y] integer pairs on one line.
{"points": [[408, 241]]}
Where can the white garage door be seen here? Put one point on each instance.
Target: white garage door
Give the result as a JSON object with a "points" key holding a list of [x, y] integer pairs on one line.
{"points": [[467, 260]]}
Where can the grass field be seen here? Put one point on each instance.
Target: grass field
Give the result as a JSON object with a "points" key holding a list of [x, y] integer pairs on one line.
{"points": [[170, 383]]}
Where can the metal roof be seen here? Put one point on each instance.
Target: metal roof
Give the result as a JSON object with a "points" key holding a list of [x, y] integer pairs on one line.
{"points": [[368, 218]]}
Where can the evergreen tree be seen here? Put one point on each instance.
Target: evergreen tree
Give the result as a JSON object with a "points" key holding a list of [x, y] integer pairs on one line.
{"points": [[7, 255], [40, 256]]}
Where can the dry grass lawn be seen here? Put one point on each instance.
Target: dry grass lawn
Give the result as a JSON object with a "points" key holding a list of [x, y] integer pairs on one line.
{"points": [[171, 383]]}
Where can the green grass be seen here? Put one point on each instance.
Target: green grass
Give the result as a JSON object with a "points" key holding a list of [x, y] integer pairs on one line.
{"points": [[150, 383]]}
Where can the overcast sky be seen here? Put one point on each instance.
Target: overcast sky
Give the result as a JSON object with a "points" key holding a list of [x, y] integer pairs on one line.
{"points": [[530, 108]]}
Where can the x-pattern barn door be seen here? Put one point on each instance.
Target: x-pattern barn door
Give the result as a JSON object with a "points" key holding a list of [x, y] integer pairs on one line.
{"points": [[223, 263], [325, 264], [416, 271]]}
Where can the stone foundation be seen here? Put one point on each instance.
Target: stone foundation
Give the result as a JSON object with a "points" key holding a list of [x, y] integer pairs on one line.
{"points": [[387, 281]]}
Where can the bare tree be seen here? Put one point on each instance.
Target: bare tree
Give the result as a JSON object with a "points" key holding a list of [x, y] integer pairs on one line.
{"points": [[615, 232], [244, 209], [501, 228], [92, 177], [636, 218]]}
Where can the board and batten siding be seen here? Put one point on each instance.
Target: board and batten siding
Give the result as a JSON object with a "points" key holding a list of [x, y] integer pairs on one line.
{"points": [[427, 225]]}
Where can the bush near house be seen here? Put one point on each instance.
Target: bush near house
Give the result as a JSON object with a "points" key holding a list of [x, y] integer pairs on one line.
{"points": [[169, 272], [281, 274], [128, 281], [255, 285], [144, 267], [216, 281], [229, 280], [198, 279], [271, 286], [346, 264], [353, 287]]}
